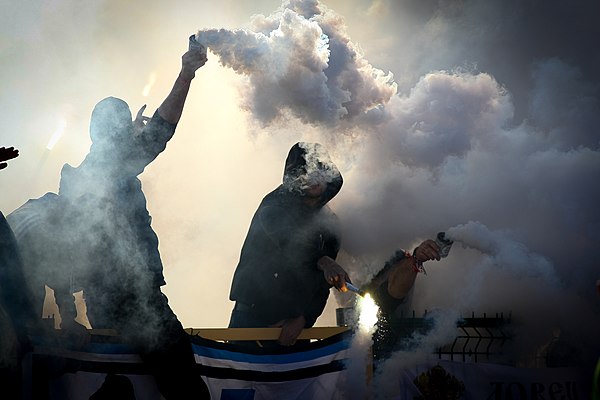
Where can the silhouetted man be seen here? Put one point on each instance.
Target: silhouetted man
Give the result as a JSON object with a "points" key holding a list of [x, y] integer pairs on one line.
{"points": [[287, 263], [117, 246]]}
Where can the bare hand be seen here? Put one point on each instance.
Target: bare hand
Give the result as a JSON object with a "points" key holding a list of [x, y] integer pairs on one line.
{"points": [[7, 154], [140, 121], [333, 273], [290, 330], [428, 250], [192, 60]]}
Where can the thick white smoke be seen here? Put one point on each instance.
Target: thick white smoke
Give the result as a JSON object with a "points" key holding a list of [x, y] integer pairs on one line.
{"points": [[363, 318], [386, 380], [501, 272], [517, 152], [504, 252], [301, 62], [492, 116]]}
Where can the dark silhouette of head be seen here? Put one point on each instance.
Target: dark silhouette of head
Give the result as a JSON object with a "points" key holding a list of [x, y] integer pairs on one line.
{"points": [[308, 165], [111, 123]]}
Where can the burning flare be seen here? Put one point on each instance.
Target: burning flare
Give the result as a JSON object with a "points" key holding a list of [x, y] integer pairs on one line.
{"points": [[368, 312]]}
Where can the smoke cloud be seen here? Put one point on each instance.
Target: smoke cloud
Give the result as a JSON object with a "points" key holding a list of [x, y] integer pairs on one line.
{"points": [[504, 252], [423, 346], [469, 137], [300, 62], [478, 118]]}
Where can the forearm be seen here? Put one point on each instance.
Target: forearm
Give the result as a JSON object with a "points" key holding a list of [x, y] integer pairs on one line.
{"points": [[401, 278], [172, 107], [325, 262]]}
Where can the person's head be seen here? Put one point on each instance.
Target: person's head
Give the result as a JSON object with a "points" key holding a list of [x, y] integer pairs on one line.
{"points": [[310, 173], [111, 123]]}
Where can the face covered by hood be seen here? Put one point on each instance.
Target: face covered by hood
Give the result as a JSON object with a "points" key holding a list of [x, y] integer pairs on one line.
{"points": [[111, 125], [111, 131], [308, 164]]}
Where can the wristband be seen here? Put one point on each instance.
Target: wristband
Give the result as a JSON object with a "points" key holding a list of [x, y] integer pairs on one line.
{"points": [[417, 265]]}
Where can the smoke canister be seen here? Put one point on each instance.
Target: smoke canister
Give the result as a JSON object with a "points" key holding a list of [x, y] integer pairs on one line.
{"points": [[345, 316], [443, 243], [193, 43]]}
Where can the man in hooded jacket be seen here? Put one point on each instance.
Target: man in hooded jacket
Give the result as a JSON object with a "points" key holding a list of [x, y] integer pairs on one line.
{"points": [[117, 249], [287, 262]]}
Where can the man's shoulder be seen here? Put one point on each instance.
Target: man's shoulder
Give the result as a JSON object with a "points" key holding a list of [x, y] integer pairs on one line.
{"points": [[158, 124], [37, 205], [327, 216], [274, 199], [35, 214]]}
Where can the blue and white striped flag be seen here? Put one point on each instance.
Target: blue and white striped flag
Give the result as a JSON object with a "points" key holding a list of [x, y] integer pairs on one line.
{"points": [[306, 372]]}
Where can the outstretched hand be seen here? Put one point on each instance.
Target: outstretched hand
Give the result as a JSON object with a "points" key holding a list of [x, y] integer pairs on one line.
{"points": [[428, 250], [140, 121], [7, 153], [172, 107], [193, 59]]}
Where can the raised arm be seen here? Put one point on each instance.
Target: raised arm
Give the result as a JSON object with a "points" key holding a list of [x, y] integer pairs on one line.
{"points": [[404, 270], [172, 107]]}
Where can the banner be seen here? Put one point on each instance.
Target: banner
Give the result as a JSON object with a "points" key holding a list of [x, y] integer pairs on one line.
{"points": [[449, 380], [307, 373], [315, 370], [232, 372]]}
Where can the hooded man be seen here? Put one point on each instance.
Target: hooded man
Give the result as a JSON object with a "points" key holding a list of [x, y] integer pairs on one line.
{"points": [[287, 263], [117, 249]]}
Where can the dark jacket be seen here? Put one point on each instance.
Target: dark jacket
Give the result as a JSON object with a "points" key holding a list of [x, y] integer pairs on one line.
{"points": [[108, 196], [15, 298], [48, 250], [277, 271]]}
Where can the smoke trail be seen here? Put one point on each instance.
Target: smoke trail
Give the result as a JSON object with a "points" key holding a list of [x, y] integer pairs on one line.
{"points": [[364, 318], [423, 347], [448, 149], [511, 141], [301, 63], [551, 311], [504, 251]]}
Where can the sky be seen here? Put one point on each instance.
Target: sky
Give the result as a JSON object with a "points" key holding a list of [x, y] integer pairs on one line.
{"points": [[475, 118]]}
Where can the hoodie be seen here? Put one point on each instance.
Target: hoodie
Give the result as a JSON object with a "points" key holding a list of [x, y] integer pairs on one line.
{"points": [[277, 273]]}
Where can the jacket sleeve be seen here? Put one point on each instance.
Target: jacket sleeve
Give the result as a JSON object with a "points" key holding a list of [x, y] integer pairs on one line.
{"points": [[150, 143], [315, 308], [274, 223], [330, 247]]}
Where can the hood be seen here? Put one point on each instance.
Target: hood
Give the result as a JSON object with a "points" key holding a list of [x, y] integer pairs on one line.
{"points": [[308, 163], [110, 123]]}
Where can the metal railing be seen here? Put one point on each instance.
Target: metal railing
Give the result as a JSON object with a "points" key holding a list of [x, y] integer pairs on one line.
{"points": [[477, 339]]}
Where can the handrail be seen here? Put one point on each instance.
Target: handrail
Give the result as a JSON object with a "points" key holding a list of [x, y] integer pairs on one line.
{"points": [[226, 334]]}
